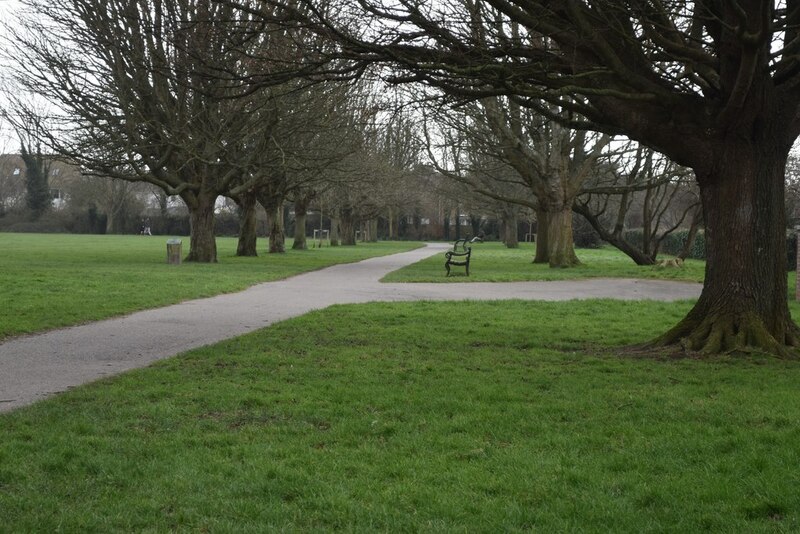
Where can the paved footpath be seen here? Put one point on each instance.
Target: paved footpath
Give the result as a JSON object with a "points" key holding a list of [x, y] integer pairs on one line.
{"points": [[34, 367]]}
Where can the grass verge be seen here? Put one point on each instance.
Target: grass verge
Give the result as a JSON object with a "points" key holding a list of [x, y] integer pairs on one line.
{"points": [[49, 281], [514, 417], [493, 262]]}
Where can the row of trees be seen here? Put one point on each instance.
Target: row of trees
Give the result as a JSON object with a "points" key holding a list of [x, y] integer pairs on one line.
{"points": [[203, 99], [237, 97], [156, 95], [712, 85]]}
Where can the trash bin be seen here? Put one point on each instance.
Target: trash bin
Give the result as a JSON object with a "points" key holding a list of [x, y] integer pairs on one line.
{"points": [[174, 251]]}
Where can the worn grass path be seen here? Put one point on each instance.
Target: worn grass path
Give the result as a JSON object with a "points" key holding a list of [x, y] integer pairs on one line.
{"points": [[36, 366]]}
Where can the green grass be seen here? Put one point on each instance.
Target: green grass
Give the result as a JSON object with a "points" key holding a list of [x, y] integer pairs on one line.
{"points": [[515, 417], [493, 262], [49, 281]]}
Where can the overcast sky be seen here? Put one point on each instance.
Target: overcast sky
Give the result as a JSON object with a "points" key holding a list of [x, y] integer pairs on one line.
{"points": [[7, 8]]}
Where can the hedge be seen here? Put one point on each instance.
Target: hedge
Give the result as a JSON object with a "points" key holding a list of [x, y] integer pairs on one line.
{"points": [[673, 245]]}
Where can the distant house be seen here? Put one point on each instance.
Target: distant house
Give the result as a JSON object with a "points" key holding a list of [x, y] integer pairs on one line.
{"points": [[12, 181]]}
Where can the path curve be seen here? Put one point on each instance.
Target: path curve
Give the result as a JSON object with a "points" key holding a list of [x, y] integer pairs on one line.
{"points": [[34, 367]]}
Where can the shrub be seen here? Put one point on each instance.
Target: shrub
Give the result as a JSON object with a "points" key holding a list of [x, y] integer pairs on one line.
{"points": [[583, 235], [673, 244]]}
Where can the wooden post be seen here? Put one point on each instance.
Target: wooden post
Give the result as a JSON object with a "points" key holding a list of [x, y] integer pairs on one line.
{"points": [[174, 251]]}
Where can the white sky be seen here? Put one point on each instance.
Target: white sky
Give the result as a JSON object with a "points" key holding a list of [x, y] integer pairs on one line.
{"points": [[7, 8]]}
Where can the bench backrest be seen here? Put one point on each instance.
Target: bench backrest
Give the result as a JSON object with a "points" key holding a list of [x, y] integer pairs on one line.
{"points": [[460, 245]]}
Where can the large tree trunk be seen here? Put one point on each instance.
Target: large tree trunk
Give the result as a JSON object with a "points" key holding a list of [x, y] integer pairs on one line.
{"points": [[273, 205], [277, 236], [560, 245], [334, 231], [300, 209], [744, 300], [542, 225], [510, 236], [202, 244], [247, 225], [372, 232], [390, 220], [347, 225]]}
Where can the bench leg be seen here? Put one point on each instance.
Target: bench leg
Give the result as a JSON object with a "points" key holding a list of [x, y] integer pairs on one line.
{"points": [[467, 266], [447, 266]]}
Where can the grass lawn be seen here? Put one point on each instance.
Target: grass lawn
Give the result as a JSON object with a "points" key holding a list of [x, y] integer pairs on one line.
{"points": [[515, 417], [493, 262], [49, 281]]}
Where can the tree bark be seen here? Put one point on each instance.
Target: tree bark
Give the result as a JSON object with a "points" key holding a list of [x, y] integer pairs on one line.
{"points": [[277, 236], [300, 209], [347, 225], [542, 231], [510, 231], [743, 305], [247, 225], [334, 231], [372, 225], [202, 243], [561, 248]]}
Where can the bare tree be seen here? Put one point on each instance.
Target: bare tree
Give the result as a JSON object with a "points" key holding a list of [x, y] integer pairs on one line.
{"points": [[150, 97], [660, 193], [712, 85], [549, 161]]}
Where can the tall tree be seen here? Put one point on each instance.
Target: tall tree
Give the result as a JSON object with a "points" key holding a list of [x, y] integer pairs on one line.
{"points": [[150, 96], [640, 184], [713, 85], [551, 163], [37, 169]]}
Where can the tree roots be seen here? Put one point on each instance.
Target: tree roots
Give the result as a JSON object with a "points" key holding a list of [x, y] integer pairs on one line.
{"points": [[729, 334]]}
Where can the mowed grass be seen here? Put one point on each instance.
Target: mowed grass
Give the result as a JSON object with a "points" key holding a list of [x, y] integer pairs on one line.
{"points": [[513, 417], [493, 262], [49, 281]]}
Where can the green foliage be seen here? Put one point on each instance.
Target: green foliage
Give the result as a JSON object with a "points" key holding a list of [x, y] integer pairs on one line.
{"points": [[515, 417], [492, 262], [674, 242], [583, 235], [48, 281]]}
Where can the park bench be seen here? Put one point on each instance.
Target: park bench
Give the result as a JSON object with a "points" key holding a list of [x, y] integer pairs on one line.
{"points": [[460, 254]]}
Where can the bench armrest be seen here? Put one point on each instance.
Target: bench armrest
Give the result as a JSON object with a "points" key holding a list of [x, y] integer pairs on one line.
{"points": [[449, 254]]}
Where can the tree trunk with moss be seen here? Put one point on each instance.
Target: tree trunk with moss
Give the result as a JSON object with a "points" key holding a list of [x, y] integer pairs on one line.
{"points": [[510, 237], [347, 226], [247, 225], [542, 252], [300, 208], [372, 227], [560, 245], [277, 234], [743, 304], [202, 242], [334, 231]]}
